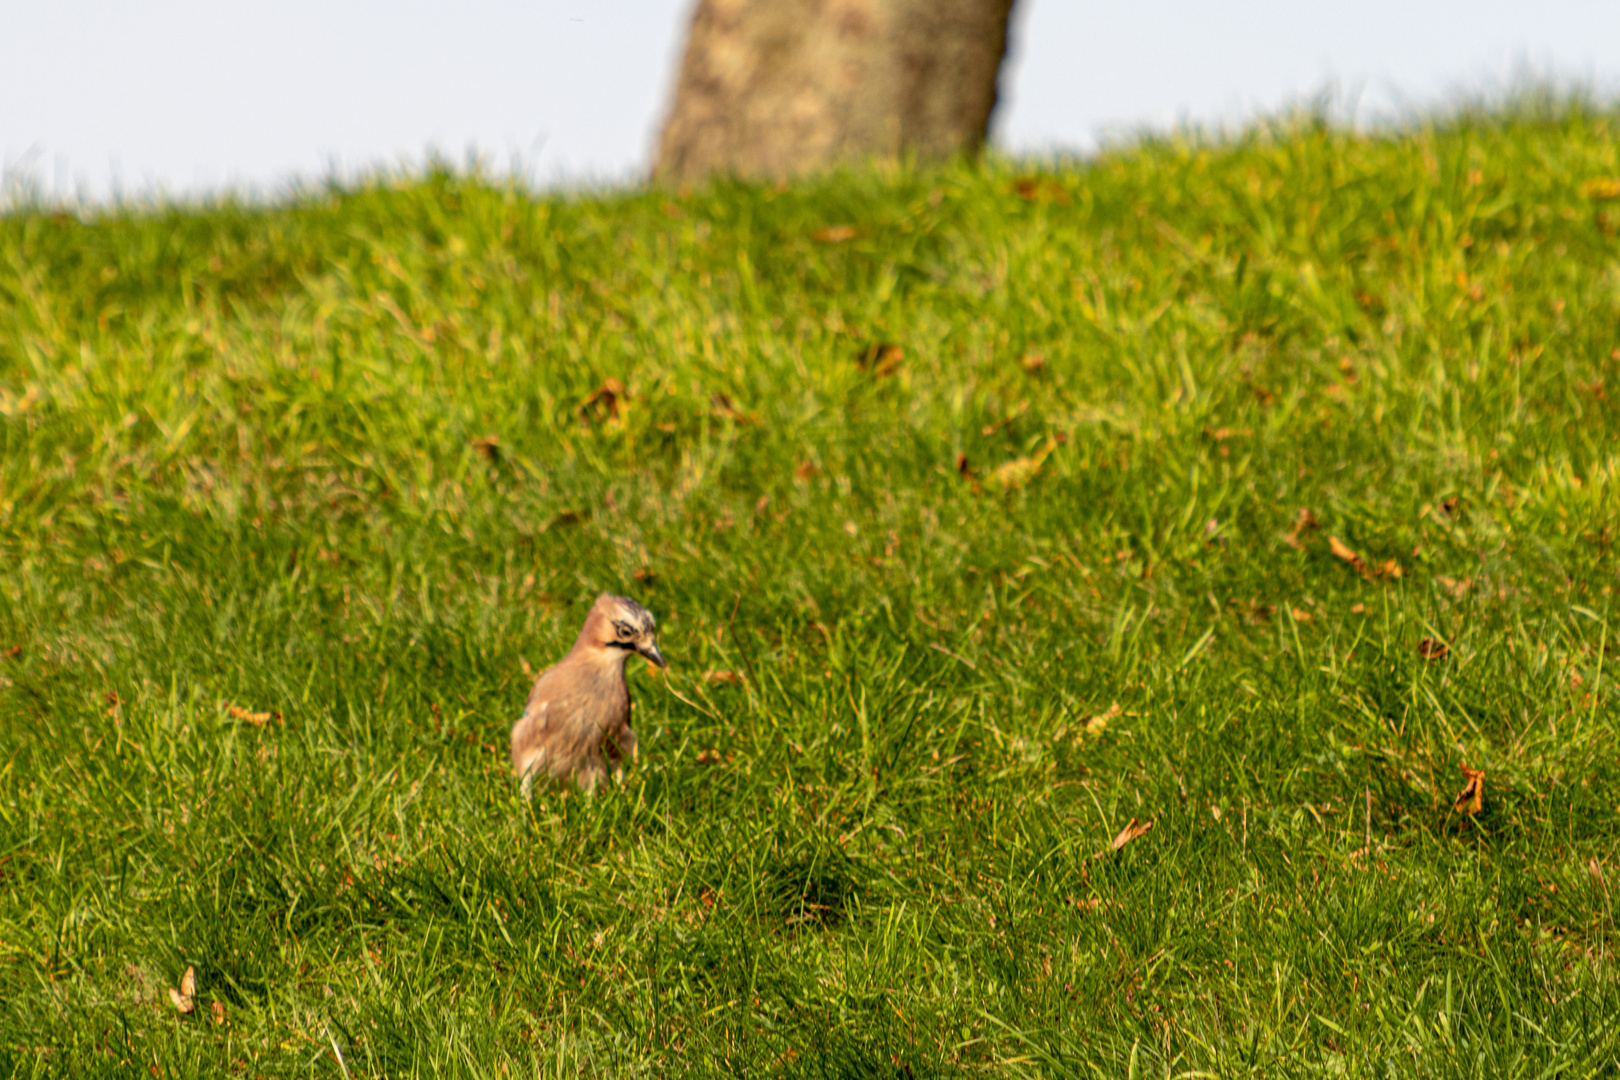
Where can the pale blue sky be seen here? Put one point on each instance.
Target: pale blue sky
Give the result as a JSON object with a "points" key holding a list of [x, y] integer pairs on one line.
{"points": [[187, 96]]}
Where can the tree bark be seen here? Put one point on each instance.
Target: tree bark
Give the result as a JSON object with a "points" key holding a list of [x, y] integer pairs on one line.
{"points": [[778, 88]]}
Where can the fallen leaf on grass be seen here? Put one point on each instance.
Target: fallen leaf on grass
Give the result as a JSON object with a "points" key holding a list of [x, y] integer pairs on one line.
{"points": [[1387, 568], [1602, 187], [603, 404], [1459, 589], [1301, 615], [881, 358], [1096, 724], [1130, 832], [1035, 189], [257, 719], [1340, 551], [183, 998], [490, 447], [804, 470], [710, 756], [1032, 362], [1433, 649], [218, 1010], [14, 652], [1221, 434], [1020, 471], [729, 677], [835, 234], [1471, 799], [1016, 473], [963, 469]]}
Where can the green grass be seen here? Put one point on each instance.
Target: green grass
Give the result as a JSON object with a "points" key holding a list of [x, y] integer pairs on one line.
{"points": [[240, 469]]}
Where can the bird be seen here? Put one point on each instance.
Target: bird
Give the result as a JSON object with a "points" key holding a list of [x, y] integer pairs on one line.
{"points": [[577, 720]]}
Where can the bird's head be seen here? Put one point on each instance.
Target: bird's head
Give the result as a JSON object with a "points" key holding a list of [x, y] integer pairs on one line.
{"points": [[617, 623]]}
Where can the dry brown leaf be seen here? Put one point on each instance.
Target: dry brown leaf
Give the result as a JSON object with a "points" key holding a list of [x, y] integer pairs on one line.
{"points": [[13, 652], [257, 719], [1387, 568], [1471, 799], [490, 447], [1096, 724], [1340, 551], [1020, 471], [218, 1009], [881, 358], [1032, 362], [1035, 189], [1433, 649], [184, 998], [731, 678], [1459, 589], [1358, 609], [1602, 187], [1221, 434], [1015, 473], [1301, 615], [604, 402], [804, 470], [1130, 832], [962, 467], [710, 756], [835, 234]]}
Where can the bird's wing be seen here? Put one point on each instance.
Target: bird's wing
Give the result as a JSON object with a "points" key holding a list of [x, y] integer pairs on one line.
{"points": [[535, 712], [534, 692]]}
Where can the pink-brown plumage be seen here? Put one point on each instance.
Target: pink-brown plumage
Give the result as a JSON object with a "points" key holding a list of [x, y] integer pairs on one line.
{"points": [[577, 720]]}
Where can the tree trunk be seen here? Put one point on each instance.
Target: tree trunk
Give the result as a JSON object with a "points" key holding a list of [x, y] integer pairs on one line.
{"points": [[777, 88]]}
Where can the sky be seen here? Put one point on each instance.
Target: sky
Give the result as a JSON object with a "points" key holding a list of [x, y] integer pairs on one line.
{"points": [[187, 98]]}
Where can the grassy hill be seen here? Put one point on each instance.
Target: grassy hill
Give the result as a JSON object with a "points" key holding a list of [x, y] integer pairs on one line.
{"points": [[1255, 489]]}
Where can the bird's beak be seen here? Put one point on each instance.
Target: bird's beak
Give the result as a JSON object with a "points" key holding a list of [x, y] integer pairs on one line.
{"points": [[650, 651]]}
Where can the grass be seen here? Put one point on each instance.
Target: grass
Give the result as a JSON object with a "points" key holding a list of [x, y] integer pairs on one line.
{"points": [[985, 511]]}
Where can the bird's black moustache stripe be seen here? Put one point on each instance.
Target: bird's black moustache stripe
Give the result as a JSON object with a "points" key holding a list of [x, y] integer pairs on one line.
{"points": [[628, 646]]}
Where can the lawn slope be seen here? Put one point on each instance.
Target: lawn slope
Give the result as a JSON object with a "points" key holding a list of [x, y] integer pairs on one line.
{"points": [[1253, 488]]}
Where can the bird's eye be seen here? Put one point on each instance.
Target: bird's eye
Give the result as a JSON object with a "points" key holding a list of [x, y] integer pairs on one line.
{"points": [[624, 631]]}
